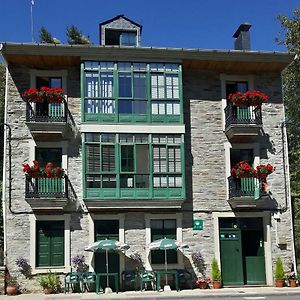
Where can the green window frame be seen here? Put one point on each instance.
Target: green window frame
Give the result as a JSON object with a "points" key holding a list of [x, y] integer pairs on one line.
{"points": [[50, 250], [130, 161], [131, 92], [163, 228]]}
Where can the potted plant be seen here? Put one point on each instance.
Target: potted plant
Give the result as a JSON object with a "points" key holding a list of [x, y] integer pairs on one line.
{"points": [[203, 282], [78, 262], [215, 274], [33, 95], [292, 278], [279, 273], [49, 282], [12, 286], [24, 267]]}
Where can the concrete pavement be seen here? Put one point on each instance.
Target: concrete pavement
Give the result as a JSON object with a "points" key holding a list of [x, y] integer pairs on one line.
{"points": [[184, 294]]}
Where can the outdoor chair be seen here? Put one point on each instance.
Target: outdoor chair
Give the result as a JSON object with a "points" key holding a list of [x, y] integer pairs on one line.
{"points": [[147, 277], [185, 278], [73, 279], [129, 279], [88, 281]]}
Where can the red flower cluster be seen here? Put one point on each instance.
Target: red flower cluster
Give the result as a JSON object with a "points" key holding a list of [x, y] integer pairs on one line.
{"points": [[33, 95], [264, 170], [49, 171], [242, 170], [51, 95], [254, 98], [54, 172]]}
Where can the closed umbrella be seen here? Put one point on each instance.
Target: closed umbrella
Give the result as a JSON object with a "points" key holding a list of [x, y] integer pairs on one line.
{"points": [[107, 245], [166, 244]]}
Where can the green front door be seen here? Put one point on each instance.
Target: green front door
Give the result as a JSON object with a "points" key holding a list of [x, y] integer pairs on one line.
{"points": [[231, 256], [107, 229], [242, 251], [254, 259]]}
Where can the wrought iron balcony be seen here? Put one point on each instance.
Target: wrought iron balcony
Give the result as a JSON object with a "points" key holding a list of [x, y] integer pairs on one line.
{"points": [[49, 120], [249, 193], [48, 193], [242, 122]]}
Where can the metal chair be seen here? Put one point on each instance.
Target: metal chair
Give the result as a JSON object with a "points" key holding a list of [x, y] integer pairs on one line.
{"points": [[74, 280], [88, 279], [146, 277], [129, 277], [185, 277]]}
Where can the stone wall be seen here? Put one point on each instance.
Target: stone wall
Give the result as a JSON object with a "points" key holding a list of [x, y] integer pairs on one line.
{"points": [[206, 182]]}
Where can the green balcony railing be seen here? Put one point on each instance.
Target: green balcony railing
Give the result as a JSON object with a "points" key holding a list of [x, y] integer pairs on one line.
{"points": [[245, 187]]}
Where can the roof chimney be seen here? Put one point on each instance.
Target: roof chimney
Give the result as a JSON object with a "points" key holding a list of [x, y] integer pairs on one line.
{"points": [[242, 37]]}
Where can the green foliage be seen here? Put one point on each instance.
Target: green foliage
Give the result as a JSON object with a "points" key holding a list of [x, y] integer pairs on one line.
{"points": [[215, 271], [46, 36], [75, 36], [290, 37], [279, 271], [50, 280]]}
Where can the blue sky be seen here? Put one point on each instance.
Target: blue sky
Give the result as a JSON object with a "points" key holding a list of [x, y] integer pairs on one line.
{"points": [[207, 24]]}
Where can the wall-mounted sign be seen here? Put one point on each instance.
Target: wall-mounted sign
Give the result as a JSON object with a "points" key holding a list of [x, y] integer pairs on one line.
{"points": [[197, 224]]}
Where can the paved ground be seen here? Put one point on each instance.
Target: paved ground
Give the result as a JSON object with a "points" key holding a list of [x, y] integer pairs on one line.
{"points": [[224, 293]]}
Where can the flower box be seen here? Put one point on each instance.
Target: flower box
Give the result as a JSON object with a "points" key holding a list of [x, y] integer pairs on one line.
{"points": [[248, 98], [49, 171], [243, 170], [45, 94]]}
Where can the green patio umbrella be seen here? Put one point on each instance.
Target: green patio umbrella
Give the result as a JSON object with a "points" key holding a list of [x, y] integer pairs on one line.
{"points": [[107, 245], [166, 244]]}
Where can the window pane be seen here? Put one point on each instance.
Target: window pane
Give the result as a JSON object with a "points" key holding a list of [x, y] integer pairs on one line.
{"points": [[105, 65], [140, 107], [126, 181], [108, 158], [108, 138], [139, 66], [93, 65], [125, 106], [91, 84], [92, 137], [139, 85], [154, 107], [93, 181], [172, 86], [126, 138], [124, 66], [125, 85], [92, 158], [157, 86], [128, 39], [106, 85], [108, 181], [99, 106], [159, 159], [127, 156], [55, 82], [174, 159]]}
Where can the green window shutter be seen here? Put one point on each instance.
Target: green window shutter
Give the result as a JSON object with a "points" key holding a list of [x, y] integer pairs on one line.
{"points": [[43, 248], [92, 158], [50, 243], [57, 248]]}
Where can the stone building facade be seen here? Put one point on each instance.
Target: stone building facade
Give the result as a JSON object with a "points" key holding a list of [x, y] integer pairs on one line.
{"points": [[147, 148]]}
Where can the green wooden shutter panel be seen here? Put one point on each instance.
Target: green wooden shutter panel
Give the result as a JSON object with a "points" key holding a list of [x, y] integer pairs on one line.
{"points": [[43, 247], [50, 244]]}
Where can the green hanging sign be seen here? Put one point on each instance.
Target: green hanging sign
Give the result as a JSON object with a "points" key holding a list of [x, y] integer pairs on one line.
{"points": [[197, 224]]}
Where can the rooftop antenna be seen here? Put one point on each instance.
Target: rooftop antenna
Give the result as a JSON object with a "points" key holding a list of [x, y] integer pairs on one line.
{"points": [[31, 14]]}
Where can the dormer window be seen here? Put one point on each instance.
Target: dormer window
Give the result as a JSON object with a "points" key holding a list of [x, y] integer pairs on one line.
{"points": [[120, 38], [120, 31]]}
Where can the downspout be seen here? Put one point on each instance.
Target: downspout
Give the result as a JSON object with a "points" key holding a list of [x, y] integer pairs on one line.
{"points": [[4, 172]]}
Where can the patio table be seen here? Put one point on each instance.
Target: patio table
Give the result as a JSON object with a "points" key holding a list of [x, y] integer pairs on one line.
{"points": [[174, 273], [99, 275]]}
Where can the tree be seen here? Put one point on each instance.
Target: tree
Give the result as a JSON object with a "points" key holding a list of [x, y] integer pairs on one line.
{"points": [[46, 37], [290, 37], [75, 36]]}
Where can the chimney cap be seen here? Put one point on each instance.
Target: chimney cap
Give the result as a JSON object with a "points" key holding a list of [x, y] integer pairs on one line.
{"points": [[243, 27]]}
